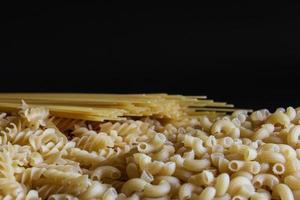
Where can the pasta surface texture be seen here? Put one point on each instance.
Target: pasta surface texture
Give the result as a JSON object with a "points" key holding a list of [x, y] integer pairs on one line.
{"points": [[242, 155]]}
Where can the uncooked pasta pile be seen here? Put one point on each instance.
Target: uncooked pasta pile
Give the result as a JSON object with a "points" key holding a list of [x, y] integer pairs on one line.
{"points": [[152, 156], [99, 107]]}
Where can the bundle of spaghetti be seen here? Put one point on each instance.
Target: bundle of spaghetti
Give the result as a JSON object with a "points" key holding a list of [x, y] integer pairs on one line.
{"points": [[99, 107]]}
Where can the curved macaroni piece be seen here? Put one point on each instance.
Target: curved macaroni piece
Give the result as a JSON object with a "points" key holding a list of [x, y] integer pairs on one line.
{"points": [[261, 194], [293, 181], [245, 174], [271, 157], [183, 174], [110, 194], [225, 127], [241, 115], [207, 194], [252, 167], [293, 136], [260, 115], [279, 118], [186, 190], [153, 191], [133, 185], [283, 191], [265, 131], [219, 161], [288, 151], [95, 190], [268, 180], [154, 167], [269, 147], [291, 113], [241, 186], [204, 178], [205, 123], [164, 154], [132, 170], [196, 165], [155, 144], [196, 144], [222, 184], [247, 152], [226, 142], [173, 181], [292, 165], [105, 172], [147, 176]]}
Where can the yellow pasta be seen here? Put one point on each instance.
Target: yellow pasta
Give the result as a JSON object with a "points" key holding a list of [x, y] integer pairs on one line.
{"points": [[133, 185], [145, 146], [196, 165], [271, 157], [278, 168], [283, 191], [241, 186], [222, 184], [204, 178], [207, 194], [186, 191], [162, 189], [268, 180]]}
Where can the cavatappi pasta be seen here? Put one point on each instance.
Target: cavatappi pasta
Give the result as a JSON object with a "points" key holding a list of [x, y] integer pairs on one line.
{"points": [[46, 153]]}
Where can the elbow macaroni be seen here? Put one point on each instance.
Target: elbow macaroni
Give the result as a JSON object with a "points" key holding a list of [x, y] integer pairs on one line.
{"points": [[283, 191], [222, 184]]}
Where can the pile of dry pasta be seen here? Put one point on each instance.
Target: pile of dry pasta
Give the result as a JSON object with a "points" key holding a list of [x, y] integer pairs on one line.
{"points": [[160, 156]]}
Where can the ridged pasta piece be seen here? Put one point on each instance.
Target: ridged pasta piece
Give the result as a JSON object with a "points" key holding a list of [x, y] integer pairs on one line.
{"points": [[94, 142], [129, 130], [95, 190], [85, 157], [35, 116], [126, 128], [154, 167], [6, 165], [48, 143], [57, 182], [12, 188], [31, 176], [30, 195]]}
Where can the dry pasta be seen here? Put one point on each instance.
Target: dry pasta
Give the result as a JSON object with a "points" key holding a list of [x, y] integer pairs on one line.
{"points": [[153, 147]]}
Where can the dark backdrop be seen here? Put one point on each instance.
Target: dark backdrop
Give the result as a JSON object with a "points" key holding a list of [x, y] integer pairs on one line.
{"points": [[244, 54]]}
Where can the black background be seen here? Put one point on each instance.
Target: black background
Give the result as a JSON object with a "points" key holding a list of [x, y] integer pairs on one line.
{"points": [[243, 54]]}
